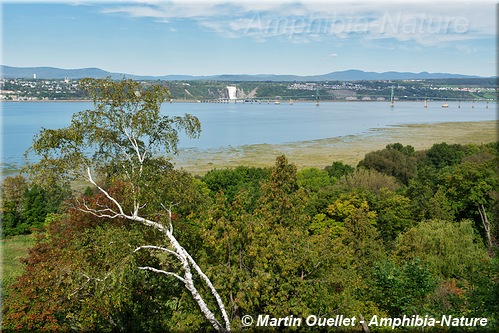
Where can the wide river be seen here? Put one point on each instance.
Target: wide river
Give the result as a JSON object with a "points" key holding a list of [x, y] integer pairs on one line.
{"points": [[239, 124]]}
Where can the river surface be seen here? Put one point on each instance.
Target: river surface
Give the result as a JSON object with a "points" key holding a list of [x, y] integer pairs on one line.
{"points": [[225, 125]]}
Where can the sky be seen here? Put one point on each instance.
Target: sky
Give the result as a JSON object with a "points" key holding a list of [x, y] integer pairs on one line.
{"points": [[252, 37]]}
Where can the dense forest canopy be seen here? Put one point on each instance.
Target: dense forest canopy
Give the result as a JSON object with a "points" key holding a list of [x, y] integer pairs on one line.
{"points": [[404, 232]]}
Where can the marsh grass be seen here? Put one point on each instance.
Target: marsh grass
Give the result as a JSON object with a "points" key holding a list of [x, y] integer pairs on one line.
{"points": [[349, 149], [9, 169]]}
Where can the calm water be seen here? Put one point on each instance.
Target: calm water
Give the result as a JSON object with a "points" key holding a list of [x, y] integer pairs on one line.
{"points": [[241, 124]]}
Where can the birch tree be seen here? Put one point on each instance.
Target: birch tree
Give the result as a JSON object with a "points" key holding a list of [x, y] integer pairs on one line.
{"points": [[119, 139]]}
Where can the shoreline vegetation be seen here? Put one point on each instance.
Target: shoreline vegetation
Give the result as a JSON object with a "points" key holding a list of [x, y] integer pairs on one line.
{"points": [[349, 149]]}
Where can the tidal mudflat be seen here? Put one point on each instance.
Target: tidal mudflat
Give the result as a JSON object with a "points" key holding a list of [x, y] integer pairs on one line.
{"points": [[350, 149]]}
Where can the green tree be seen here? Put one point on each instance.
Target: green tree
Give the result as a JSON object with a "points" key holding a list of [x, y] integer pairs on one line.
{"points": [[231, 181], [402, 289], [451, 249], [267, 261], [339, 169], [472, 190], [439, 207], [395, 160], [359, 234], [119, 139], [13, 190], [313, 179], [484, 292], [35, 209], [393, 214], [442, 154], [368, 180], [26, 205], [447, 175]]}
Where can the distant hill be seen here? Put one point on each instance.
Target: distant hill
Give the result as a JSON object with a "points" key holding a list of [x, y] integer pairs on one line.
{"points": [[51, 73], [348, 75], [355, 75]]}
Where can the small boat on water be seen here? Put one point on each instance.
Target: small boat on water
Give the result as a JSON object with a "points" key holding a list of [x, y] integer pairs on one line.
{"points": [[277, 102], [445, 105]]}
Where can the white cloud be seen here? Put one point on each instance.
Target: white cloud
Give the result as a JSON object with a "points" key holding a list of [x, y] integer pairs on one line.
{"points": [[136, 11], [423, 23], [329, 57]]}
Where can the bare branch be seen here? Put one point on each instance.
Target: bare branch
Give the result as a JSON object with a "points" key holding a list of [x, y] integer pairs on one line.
{"points": [[106, 212], [152, 269], [123, 150], [91, 180], [160, 249], [87, 281], [169, 211], [311, 271], [486, 224]]}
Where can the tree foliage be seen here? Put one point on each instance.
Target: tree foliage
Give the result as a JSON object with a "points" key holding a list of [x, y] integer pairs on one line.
{"points": [[313, 179], [124, 129], [232, 181], [339, 169], [402, 289], [393, 214], [451, 249], [81, 276], [395, 160], [267, 261], [442, 155], [25, 205], [360, 234], [368, 179]]}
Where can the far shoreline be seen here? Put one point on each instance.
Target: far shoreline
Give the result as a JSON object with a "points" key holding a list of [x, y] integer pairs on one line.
{"points": [[264, 100]]}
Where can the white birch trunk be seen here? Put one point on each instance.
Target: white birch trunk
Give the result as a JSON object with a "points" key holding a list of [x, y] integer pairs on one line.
{"points": [[486, 225], [185, 259]]}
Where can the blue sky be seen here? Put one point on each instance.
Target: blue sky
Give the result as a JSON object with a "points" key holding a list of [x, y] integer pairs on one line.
{"points": [[252, 37]]}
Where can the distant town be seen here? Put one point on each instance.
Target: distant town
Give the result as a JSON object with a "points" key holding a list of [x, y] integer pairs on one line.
{"points": [[476, 89]]}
